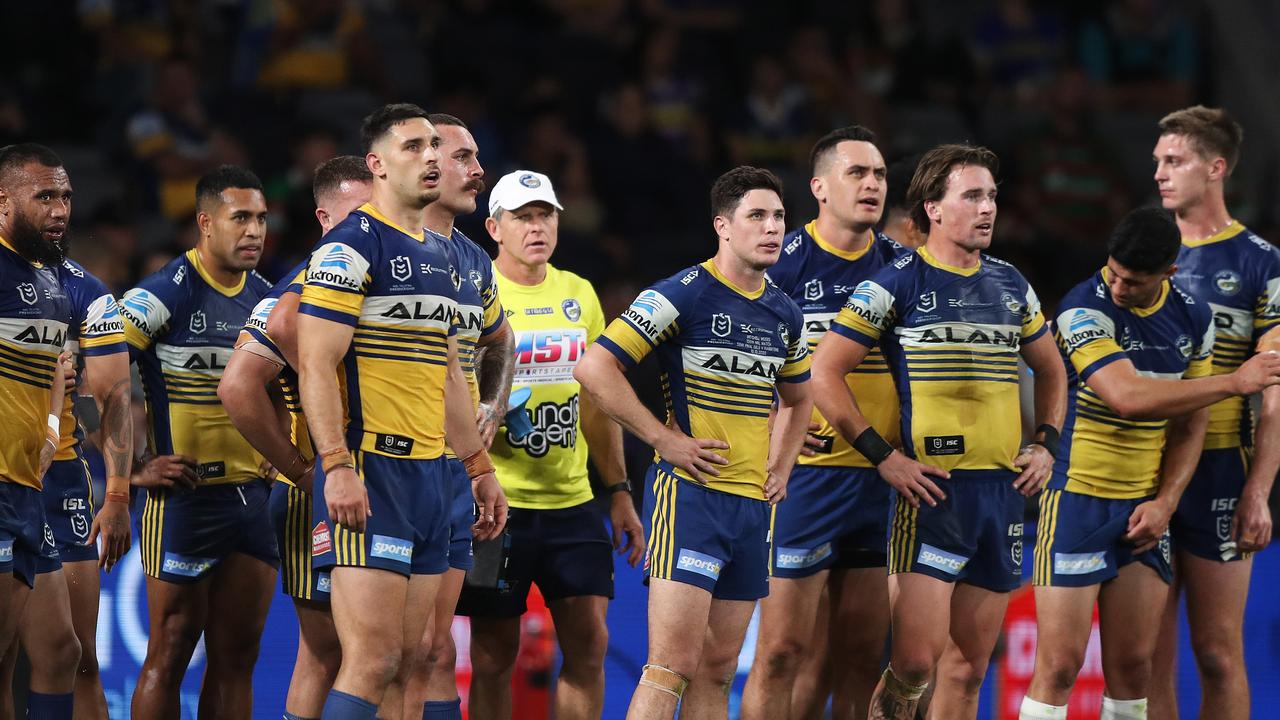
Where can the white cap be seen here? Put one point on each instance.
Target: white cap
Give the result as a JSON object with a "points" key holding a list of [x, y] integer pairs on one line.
{"points": [[517, 189]]}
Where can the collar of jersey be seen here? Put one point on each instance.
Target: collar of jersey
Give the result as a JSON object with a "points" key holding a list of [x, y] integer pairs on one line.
{"points": [[1226, 233], [928, 257], [812, 229], [230, 291], [373, 212], [748, 294], [517, 287], [4, 242], [1146, 311]]}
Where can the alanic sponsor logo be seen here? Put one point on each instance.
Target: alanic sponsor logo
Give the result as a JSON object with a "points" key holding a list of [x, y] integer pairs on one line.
{"points": [[554, 425]]}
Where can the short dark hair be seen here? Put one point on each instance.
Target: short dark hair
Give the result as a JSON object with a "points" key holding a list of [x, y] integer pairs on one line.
{"points": [[929, 183], [224, 177], [1212, 131], [1146, 240], [15, 156], [331, 173], [828, 142], [446, 119], [384, 118], [729, 189]]}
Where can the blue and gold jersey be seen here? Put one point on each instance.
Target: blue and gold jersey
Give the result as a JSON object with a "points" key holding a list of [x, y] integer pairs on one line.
{"points": [[819, 278], [479, 311], [181, 325], [951, 337], [96, 329], [35, 316], [1103, 454], [1237, 274], [400, 293], [722, 349]]}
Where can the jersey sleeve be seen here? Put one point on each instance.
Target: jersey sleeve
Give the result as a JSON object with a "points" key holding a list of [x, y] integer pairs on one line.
{"points": [[338, 275], [651, 319], [255, 328], [1266, 315], [796, 367], [1201, 362], [1088, 339], [1033, 324], [101, 327], [868, 312], [146, 309], [489, 302]]}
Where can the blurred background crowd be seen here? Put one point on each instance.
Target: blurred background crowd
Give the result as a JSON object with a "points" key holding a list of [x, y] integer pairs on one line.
{"points": [[631, 106]]}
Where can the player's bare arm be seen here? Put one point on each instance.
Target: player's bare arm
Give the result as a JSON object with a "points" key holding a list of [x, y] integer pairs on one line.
{"points": [[604, 440], [63, 376], [790, 427], [1184, 439], [601, 376], [464, 437], [1035, 460], [835, 357], [1251, 524], [107, 379], [495, 365], [1134, 396], [282, 326], [245, 392], [321, 346]]}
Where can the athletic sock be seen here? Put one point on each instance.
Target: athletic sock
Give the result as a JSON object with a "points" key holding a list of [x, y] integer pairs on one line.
{"points": [[49, 707], [290, 716], [442, 710], [1123, 709], [1033, 710], [341, 706]]}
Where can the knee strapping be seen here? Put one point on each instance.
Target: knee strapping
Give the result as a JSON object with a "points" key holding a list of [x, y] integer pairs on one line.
{"points": [[664, 680]]}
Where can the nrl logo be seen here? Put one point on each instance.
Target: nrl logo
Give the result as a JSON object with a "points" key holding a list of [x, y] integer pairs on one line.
{"points": [[198, 322], [813, 290], [721, 324], [928, 301], [27, 292], [401, 269]]}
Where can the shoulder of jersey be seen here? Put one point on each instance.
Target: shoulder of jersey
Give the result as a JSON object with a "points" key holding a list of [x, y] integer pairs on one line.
{"points": [[1090, 292], [260, 283], [889, 247], [793, 241]]}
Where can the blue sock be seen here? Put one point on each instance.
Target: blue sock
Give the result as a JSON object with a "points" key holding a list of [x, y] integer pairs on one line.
{"points": [[341, 706], [290, 716], [442, 710], [49, 707]]}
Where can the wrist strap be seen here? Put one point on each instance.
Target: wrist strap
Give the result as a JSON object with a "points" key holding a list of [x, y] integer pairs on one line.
{"points": [[872, 446], [478, 463], [55, 424], [117, 496], [335, 458], [1051, 439]]}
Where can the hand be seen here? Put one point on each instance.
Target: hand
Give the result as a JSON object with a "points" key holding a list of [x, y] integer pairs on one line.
{"points": [[68, 371], [47, 450], [911, 479], [491, 507], [487, 421], [166, 471], [1147, 524], [1037, 467], [812, 443], [693, 455], [1258, 372], [1251, 523], [623, 518], [347, 499], [775, 488], [112, 523]]}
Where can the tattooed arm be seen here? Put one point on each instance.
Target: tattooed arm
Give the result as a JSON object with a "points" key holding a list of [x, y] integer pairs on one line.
{"points": [[107, 379], [494, 365]]}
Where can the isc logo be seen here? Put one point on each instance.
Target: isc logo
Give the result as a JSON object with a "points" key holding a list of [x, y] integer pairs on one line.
{"points": [[551, 346]]}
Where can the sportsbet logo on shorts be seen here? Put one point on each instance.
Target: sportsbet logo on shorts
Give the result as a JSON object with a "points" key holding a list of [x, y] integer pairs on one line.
{"points": [[391, 548], [185, 565], [941, 559], [696, 562], [796, 558]]}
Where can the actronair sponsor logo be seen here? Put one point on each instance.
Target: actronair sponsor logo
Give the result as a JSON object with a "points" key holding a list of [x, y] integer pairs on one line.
{"points": [[186, 565], [797, 558], [1079, 563], [391, 548], [695, 562], [940, 559]]}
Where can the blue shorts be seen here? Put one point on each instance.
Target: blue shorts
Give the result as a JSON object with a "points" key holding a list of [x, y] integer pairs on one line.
{"points": [[715, 540], [461, 517], [1202, 522], [68, 508], [1080, 540], [974, 536], [566, 552], [408, 532], [832, 517], [291, 518], [26, 541], [186, 533]]}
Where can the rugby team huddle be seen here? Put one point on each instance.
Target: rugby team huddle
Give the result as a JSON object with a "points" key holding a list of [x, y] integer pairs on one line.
{"points": [[844, 442]]}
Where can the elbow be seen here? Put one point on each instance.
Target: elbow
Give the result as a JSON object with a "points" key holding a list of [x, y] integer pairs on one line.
{"points": [[230, 392]]}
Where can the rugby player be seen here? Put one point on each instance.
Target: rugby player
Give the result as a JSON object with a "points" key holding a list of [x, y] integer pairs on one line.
{"points": [[36, 314], [485, 345], [379, 301], [558, 536], [727, 340], [1223, 518], [340, 185], [831, 531], [951, 322], [1129, 447], [207, 547]]}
